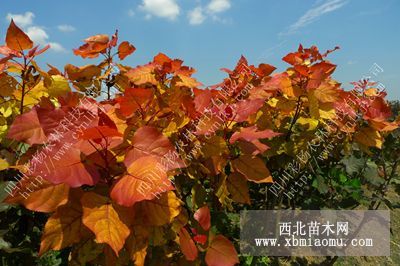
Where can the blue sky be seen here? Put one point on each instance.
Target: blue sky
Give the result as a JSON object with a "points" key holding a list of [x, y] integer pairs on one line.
{"points": [[210, 34]]}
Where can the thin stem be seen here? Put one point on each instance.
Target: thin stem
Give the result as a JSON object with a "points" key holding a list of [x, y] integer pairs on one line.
{"points": [[295, 117], [23, 78]]}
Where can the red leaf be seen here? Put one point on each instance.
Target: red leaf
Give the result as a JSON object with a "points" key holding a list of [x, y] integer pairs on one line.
{"points": [[293, 58], [134, 99], [125, 49], [243, 109], [100, 132], [27, 128], [114, 40], [251, 133], [68, 169], [201, 239], [188, 247], [202, 216], [105, 120], [263, 70], [161, 59]]}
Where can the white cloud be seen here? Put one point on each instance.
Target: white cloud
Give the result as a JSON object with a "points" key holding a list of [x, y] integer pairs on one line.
{"points": [[168, 9], [218, 6], [314, 14], [55, 46], [37, 34], [131, 13], [66, 28], [199, 14], [196, 16], [22, 20]]}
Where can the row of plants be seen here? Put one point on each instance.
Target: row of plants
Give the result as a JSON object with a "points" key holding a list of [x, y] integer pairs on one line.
{"points": [[121, 165]]}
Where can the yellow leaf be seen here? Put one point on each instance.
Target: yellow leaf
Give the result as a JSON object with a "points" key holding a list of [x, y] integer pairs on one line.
{"points": [[176, 124], [311, 123], [7, 85], [187, 81], [102, 219], [3, 164], [216, 145], [371, 92], [223, 193], [313, 105], [273, 102], [137, 244], [287, 88], [59, 86], [33, 95], [326, 93], [6, 110], [326, 111]]}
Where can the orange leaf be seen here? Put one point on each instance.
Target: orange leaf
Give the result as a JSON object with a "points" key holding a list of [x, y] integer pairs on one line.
{"points": [[64, 227], [16, 39], [100, 216], [285, 85], [125, 49], [251, 134], [93, 46], [326, 93], [369, 137], [82, 73], [237, 187], [149, 141], [383, 125], [43, 196], [187, 82], [263, 69], [144, 181], [187, 244], [253, 169], [142, 75], [100, 132], [202, 215], [221, 252]]}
